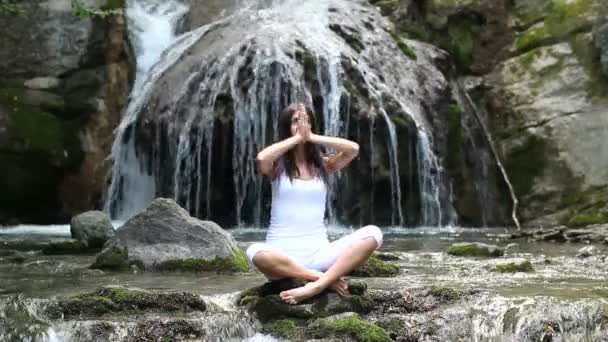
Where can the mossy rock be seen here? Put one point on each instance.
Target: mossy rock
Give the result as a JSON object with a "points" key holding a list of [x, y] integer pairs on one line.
{"points": [[406, 49], [111, 300], [446, 294], [513, 267], [284, 328], [113, 258], [581, 220], [387, 7], [22, 245], [475, 249], [231, 264], [348, 326], [64, 247], [563, 19], [375, 267]]}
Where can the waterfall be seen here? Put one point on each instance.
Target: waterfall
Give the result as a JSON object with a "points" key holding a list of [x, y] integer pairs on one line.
{"points": [[202, 107], [151, 30]]}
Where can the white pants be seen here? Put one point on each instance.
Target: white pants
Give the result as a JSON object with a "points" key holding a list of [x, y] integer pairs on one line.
{"points": [[324, 256]]}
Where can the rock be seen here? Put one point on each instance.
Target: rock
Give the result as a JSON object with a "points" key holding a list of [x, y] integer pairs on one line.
{"points": [[92, 229], [386, 256], [513, 267], [542, 101], [165, 237], [114, 300], [64, 247], [586, 252], [475, 249], [268, 306], [349, 325], [600, 40], [375, 267], [113, 258], [42, 83], [511, 247]]}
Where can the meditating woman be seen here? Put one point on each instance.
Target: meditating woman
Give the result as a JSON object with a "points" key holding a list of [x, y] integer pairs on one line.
{"points": [[296, 241]]}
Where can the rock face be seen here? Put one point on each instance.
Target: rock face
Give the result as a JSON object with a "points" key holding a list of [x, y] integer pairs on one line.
{"points": [[64, 80], [165, 236], [92, 229]]}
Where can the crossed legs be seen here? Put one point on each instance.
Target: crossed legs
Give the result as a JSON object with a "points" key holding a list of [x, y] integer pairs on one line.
{"points": [[339, 259]]}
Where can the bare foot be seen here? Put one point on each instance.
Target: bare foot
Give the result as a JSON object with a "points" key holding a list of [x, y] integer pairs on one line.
{"points": [[340, 287], [300, 294]]}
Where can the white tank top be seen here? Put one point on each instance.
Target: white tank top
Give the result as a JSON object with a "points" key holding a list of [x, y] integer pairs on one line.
{"points": [[297, 214]]}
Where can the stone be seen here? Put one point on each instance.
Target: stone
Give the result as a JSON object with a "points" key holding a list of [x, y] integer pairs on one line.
{"points": [[42, 83], [165, 237], [475, 249], [92, 229], [600, 40]]}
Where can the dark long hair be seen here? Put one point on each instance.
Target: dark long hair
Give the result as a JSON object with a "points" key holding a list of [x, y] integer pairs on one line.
{"points": [[312, 152]]}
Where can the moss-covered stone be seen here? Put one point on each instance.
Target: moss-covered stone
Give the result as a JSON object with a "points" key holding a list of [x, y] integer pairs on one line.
{"points": [[353, 327], [350, 36], [64, 247], [22, 245], [385, 256], [513, 267], [111, 300], [272, 307], [406, 49], [526, 162], [285, 328], [564, 18], [474, 249], [375, 267], [509, 320], [589, 57], [113, 258], [446, 294], [357, 287], [581, 220], [235, 263]]}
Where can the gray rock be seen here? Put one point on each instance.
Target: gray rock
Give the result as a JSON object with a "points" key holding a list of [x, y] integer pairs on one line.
{"points": [[42, 83], [165, 231], [92, 228], [475, 249]]}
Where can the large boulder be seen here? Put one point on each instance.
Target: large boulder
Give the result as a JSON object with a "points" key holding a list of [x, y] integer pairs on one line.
{"points": [[166, 237], [92, 229], [548, 108], [64, 80]]}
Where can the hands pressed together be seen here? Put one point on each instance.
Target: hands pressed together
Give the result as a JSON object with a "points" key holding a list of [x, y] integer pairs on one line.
{"points": [[303, 127]]}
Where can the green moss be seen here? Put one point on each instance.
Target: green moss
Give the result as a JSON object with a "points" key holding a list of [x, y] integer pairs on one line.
{"points": [[564, 18], [462, 32], [246, 300], [375, 267], [513, 267], [445, 294], [284, 328], [111, 300], [526, 162], [357, 287], [474, 249], [589, 57], [353, 327], [64, 247], [113, 258], [455, 151], [113, 5], [37, 129], [586, 220], [22, 245], [234, 263], [406, 49]]}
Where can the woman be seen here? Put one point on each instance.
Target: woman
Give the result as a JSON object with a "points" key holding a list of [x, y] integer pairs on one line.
{"points": [[296, 242]]}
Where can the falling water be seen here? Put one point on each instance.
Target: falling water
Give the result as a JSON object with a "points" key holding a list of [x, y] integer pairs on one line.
{"points": [[151, 29], [254, 72]]}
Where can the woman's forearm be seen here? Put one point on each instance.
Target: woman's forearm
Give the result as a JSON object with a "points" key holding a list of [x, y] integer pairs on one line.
{"points": [[270, 154], [339, 144]]}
